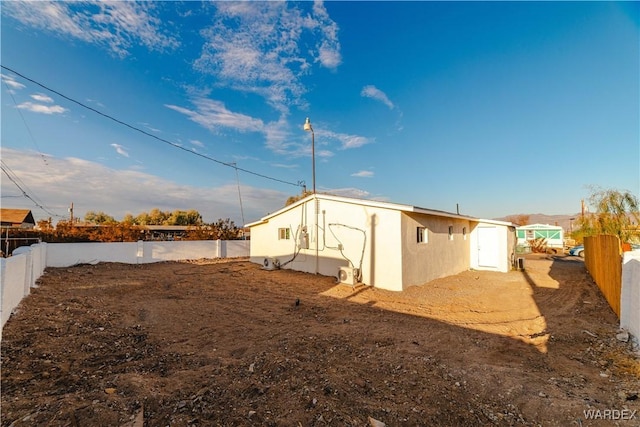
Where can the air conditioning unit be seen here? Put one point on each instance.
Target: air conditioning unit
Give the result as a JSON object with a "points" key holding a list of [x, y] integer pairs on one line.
{"points": [[270, 264], [348, 275]]}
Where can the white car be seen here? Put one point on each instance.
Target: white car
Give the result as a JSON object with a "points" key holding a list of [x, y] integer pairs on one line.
{"points": [[577, 251]]}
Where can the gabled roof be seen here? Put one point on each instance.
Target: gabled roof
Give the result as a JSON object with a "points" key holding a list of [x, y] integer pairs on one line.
{"points": [[16, 216], [374, 203]]}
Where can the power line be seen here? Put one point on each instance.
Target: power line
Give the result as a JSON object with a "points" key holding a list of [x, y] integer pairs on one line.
{"points": [[20, 182], [231, 165], [15, 180], [26, 125]]}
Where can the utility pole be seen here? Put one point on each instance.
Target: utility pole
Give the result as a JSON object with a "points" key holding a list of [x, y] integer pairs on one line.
{"points": [[71, 213], [307, 127], [235, 166]]}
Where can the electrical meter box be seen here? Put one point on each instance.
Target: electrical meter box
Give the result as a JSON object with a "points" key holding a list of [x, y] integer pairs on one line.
{"points": [[303, 241]]}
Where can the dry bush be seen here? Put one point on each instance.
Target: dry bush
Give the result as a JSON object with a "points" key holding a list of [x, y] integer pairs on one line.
{"points": [[538, 245]]}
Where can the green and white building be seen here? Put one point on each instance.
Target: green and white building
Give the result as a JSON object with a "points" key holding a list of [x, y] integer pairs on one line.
{"points": [[553, 235]]}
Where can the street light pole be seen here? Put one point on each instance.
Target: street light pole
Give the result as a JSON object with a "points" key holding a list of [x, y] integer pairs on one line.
{"points": [[309, 128]]}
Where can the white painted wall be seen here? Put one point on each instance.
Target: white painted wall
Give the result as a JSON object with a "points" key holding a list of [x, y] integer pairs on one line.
{"points": [[13, 276], [66, 254], [439, 255], [19, 273], [506, 243], [383, 253], [392, 260], [365, 232], [630, 294]]}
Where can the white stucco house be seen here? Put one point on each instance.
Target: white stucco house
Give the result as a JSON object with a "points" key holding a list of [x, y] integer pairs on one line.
{"points": [[386, 245]]}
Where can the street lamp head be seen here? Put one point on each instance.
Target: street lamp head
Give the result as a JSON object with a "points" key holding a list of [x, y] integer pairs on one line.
{"points": [[307, 125]]}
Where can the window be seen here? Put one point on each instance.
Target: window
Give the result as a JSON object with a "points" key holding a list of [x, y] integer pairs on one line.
{"points": [[451, 232], [421, 235], [464, 233], [283, 234]]}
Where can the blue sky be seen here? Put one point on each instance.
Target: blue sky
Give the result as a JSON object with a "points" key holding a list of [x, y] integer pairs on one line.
{"points": [[499, 107]]}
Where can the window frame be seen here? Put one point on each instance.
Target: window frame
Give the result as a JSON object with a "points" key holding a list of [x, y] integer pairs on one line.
{"points": [[422, 235], [284, 233]]}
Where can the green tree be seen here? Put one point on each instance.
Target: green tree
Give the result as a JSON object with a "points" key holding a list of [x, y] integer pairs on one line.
{"points": [[99, 218], [191, 217], [142, 219], [128, 219], [616, 212], [157, 217]]}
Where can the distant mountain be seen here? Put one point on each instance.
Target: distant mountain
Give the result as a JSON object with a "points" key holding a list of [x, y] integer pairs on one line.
{"points": [[563, 221]]}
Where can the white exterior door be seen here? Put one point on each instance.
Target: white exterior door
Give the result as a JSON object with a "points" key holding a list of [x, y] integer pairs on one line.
{"points": [[488, 247]]}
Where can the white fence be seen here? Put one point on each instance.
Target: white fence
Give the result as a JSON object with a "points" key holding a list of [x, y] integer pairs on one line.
{"points": [[19, 273], [630, 294]]}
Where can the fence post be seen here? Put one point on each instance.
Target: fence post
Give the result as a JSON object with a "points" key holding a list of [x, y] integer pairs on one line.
{"points": [[140, 252], [28, 272]]}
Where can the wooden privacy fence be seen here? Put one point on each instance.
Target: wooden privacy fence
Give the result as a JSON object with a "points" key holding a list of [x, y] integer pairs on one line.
{"points": [[602, 256]]}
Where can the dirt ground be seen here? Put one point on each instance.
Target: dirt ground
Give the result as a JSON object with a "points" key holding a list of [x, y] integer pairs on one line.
{"points": [[208, 343]]}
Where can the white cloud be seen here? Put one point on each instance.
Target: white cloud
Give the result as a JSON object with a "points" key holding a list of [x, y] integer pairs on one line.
{"points": [[197, 143], [11, 82], [116, 25], [254, 47], [92, 186], [93, 101], [354, 141], [120, 150], [329, 56], [150, 128], [329, 48], [44, 109], [42, 98], [373, 92], [285, 166], [346, 141], [363, 174], [212, 114], [41, 108]]}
